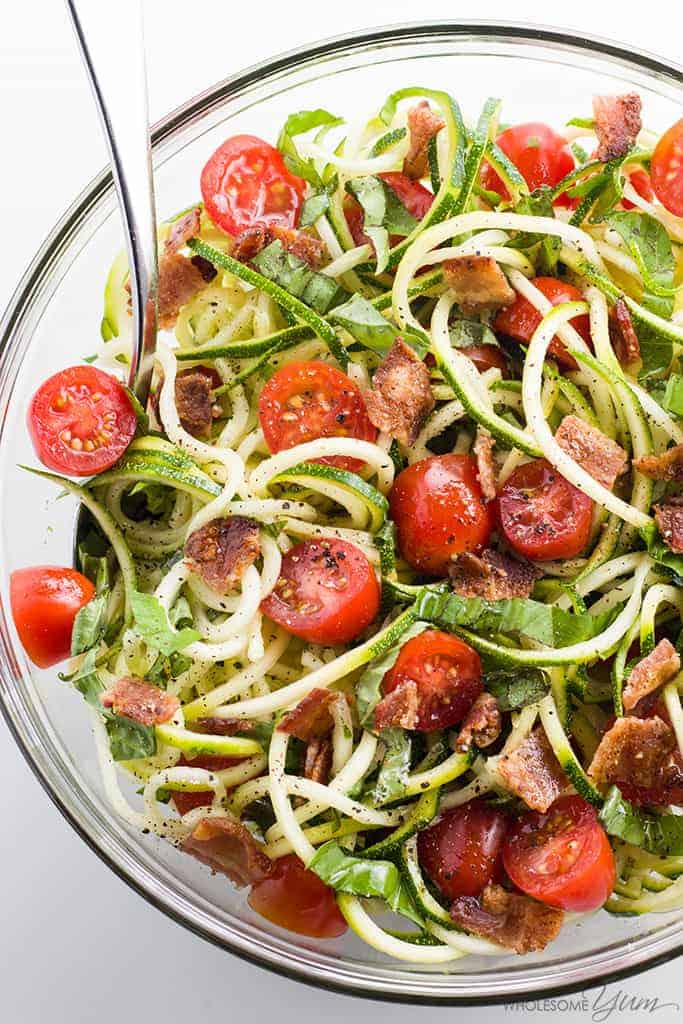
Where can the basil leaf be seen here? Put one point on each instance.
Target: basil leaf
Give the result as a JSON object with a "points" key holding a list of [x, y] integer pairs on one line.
{"points": [[366, 324], [154, 627], [297, 124], [656, 348], [383, 214], [658, 834], [368, 687], [516, 689], [464, 333], [650, 246], [314, 207], [129, 740], [318, 291], [547, 624], [88, 682], [89, 624], [393, 773], [540, 204], [369, 878], [158, 498], [672, 400]]}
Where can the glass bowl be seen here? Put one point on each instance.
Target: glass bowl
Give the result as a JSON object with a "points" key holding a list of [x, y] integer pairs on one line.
{"points": [[53, 322]]}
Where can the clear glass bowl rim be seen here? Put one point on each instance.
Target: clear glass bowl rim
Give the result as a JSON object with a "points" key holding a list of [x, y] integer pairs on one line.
{"points": [[48, 256]]}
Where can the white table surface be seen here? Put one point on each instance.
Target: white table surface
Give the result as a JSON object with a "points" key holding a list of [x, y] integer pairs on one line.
{"points": [[77, 944]]}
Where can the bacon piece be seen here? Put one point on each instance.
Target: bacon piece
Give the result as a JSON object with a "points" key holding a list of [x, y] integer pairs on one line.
{"points": [[669, 519], [482, 725], [486, 467], [423, 125], [401, 397], [196, 409], [311, 719], [224, 726], [617, 123], [399, 708], [252, 241], [509, 918], [651, 672], [141, 701], [228, 847], [667, 466], [635, 750], [532, 772], [221, 551], [183, 229], [601, 457], [318, 760], [492, 576], [478, 283], [180, 280], [623, 334]]}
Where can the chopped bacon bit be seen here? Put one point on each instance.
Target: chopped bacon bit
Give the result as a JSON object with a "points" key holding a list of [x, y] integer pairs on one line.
{"points": [[617, 123], [509, 918], [635, 749], [667, 466], [623, 334], [486, 467], [141, 701], [224, 726], [183, 229], [492, 576], [401, 397], [669, 519], [399, 708], [651, 672], [227, 846], [601, 457], [312, 718], [482, 725], [221, 551], [252, 241], [196, 409], [318, 760], [478, 283], [423, 125], [532, 772], [180, 280]]}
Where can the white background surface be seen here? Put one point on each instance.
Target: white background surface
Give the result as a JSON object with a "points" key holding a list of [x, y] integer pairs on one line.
{"points": [[76, 944]]}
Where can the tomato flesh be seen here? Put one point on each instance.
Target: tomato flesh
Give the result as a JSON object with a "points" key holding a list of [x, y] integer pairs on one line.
{"points": [[562, 857], [81, 421], [439, 511], [303, 401], [487, 357], [666, 169], [520, 319], [45, 600], [246, 184], [641, 182], [327, 592], [540, 155], [462, 853], [415, 197], [296, 899], [186, 800], [448, 676], [542, 515]]}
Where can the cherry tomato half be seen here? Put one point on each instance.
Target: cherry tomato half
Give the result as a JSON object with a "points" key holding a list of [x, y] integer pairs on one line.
{"points": [[415, 197], [45, 600], [540, 155], [563, 857], [245, 184], [81, 421], [296, 899], [463, 851], [486, 357], [542, 515], [666, 169], [439, 511], [448, 676], [641, 182], [327, 592], [304, 401], [520, 319]]}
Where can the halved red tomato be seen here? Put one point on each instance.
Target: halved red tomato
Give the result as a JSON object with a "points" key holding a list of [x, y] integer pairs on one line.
{"points": [[462, 853], [298, 900], [563, 857], [81, 421], [415, 197], [666, 169], [520, 319], [304, 401], [448, 676], [640, 180], [327, 592], [245, 184], [540, 155], [486, 357], [439, 511], [542, 515], [45, 600]]}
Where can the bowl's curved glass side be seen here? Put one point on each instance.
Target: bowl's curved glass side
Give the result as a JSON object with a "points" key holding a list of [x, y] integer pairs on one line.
{"points": [[54, 320]]}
